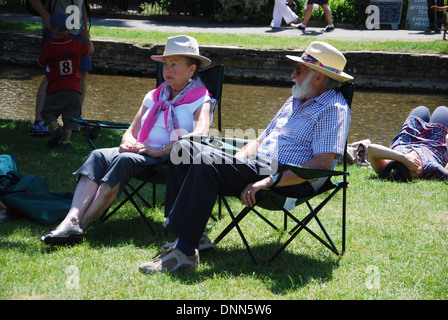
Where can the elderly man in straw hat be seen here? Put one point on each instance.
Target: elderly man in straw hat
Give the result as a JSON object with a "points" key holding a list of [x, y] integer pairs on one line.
{"points": [[309, 130]]}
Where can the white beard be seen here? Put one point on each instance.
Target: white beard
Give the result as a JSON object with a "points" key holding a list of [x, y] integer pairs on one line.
{"points": [[304, 90]]}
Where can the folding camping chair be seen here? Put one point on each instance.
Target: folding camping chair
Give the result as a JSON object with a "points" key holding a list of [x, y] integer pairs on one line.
{"points": [[213, 79], [273, 201]]}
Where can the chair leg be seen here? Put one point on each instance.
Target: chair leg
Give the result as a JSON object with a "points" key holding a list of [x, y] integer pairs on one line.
{"points": [[303, 225], [105, 215], [154, 195], [141, 197], [266, 220], [148, 223], [219, 206], [330, 241], [86, 135], [344, 203], [234, 223]]}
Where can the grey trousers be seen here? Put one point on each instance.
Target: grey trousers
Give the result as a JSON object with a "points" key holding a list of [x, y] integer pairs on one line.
{"points": [[110, 166]]}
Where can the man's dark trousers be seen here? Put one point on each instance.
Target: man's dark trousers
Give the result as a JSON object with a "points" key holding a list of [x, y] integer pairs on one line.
{"points": [[197, 174]]}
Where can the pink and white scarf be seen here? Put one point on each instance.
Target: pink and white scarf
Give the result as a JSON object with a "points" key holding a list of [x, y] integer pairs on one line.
{"points": [[192, 92]]}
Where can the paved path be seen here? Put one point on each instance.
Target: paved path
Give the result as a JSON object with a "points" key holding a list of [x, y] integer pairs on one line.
{"points": [[317, 33]]}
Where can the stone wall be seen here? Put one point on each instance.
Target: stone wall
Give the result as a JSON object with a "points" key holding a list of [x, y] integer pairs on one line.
{"points": [[372, 70]]}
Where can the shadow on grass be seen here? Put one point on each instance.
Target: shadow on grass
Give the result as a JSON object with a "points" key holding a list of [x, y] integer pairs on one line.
{"points": [[118, 231], [288, 272], [112, 233], [18, 225]]}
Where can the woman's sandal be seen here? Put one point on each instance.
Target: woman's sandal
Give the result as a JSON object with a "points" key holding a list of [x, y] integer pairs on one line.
{"points": [[64, 235]]}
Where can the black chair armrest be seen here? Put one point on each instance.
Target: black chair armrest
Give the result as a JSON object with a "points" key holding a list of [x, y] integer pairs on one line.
{"points": [[309, 173]]}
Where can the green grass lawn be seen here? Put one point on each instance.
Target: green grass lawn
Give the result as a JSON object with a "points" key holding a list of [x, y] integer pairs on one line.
{"points": [[397, 244], [150, 38]]}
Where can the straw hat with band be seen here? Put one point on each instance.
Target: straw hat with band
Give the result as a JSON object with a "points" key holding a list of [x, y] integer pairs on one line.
{"points": [[182, 46], [325, 59]]}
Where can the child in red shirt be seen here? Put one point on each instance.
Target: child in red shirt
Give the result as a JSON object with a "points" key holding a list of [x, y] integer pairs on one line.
{"points": [[61, 55]]}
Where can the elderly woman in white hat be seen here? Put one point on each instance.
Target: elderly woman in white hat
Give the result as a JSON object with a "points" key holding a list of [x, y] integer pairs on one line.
{"points": [[179, 106], [310, 130]]}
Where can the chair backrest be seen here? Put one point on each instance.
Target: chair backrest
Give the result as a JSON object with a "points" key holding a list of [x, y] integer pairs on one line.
{"points": [[213, 79], [347, 90]]}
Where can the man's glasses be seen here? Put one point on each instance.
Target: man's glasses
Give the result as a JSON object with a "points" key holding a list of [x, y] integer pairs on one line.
{"points": [[298, 70]]}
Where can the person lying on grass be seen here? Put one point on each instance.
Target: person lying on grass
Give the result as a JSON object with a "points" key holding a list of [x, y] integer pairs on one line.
{"points": [[418, 151]]}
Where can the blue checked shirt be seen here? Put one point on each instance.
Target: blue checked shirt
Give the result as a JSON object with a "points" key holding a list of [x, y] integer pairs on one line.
{"points": [[298, 132]]}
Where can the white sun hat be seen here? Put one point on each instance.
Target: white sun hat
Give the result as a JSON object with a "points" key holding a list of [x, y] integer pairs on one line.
{"points": [[182, 46], [325, 59]]}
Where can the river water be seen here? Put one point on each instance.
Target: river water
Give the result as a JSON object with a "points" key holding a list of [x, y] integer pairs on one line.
{"points": [[375, 115]]}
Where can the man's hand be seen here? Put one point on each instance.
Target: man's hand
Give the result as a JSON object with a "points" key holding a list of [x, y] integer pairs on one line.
{"points": [[248, 194]]}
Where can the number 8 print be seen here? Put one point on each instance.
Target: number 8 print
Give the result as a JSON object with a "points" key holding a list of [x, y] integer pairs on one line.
{"points": [[65, 67]]}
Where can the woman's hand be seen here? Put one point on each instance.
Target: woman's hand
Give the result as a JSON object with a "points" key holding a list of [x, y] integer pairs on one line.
{"points": [[127, 147], [144, 148]]}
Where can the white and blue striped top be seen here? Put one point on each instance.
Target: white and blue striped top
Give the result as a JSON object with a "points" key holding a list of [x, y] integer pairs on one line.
{"points": [[298, 132]]}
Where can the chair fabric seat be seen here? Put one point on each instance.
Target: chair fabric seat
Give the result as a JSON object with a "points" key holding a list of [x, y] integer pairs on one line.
{"points": [[274, 201]]}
